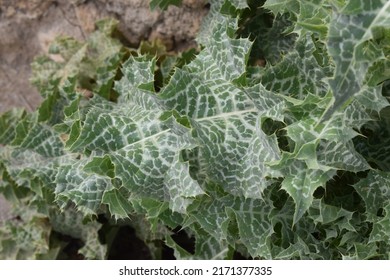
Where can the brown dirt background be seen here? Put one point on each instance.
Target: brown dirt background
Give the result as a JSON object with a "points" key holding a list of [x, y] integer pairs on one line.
{"points": [[27, 27]]}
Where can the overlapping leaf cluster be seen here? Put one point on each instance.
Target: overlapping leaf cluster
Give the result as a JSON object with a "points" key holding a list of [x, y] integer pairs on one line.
{"points": [[290, 160]]}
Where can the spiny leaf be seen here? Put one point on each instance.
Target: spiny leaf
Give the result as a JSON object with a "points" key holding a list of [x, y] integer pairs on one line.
{"points": [[119, 205], [381, 229], [299, 73], [8, 123], [375, 148], [181, 188], [301, 184], [72, 223], [254, 227], [84, 189], [351, 43], [219, 9], [282, 6], [375, 191], [199, 91], [26, 238]]}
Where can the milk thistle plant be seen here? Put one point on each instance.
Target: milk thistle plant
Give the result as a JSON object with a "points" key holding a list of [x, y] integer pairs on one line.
{"points": [[271, 141]]}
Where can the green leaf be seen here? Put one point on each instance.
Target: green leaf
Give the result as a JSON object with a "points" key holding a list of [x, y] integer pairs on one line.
{"points": [[375, 148], [81, 60], [65, 46], [353, 49], [314, 16], [380, 231], [179, 252], [219, 10], [301, 184], [212, 217], [106, 75], [84, 189], [251, 216], [119, 206], [181, 188], [299, 73], [297, 249], [26, 238], [337, 217], [375, 191], [144, 151], [254, 226], [93, 249], [209, 248], [282, 6], [8, 123], [72, 223], [232, 127]]}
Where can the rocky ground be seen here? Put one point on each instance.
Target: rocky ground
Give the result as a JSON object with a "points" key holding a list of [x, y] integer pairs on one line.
{"points": [[28, 26]]}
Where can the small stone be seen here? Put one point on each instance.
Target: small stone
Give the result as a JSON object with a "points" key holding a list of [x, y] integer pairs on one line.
{"points": [[10, 12], [87, 15]]}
